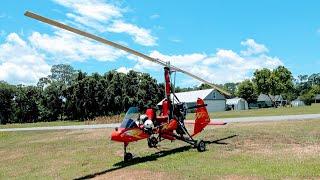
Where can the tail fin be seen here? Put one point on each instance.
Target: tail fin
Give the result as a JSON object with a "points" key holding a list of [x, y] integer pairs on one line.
{"points": [[202, 117]]}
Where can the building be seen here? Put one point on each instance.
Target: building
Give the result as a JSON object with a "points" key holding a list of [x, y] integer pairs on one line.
{"points": [[214, 99], [264, 101], [237, 104], [267, 100], [297, 102]]}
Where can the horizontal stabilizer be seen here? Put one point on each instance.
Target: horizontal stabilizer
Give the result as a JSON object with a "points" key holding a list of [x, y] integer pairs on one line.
{"points": [[214, 123]]}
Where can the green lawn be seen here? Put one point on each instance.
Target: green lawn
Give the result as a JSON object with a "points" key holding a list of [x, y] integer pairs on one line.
{"points": [[274, 150], [314, 109], [42, 124]]}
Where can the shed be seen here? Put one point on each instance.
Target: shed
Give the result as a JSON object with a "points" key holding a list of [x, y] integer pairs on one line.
{"points": [[297, 102], [267, 100], [214, 99], [264, 101], [237, 103]]}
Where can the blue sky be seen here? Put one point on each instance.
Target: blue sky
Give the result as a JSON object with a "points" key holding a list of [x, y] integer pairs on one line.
{"points": [[221, 41]]}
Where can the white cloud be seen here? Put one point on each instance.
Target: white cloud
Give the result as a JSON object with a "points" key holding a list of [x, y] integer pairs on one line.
{"points": [[124, 70], [253, 48], [221, 67], [140, 35], [104, 17], [93, 9], [67, 46], [154, 16], [20, 63]]}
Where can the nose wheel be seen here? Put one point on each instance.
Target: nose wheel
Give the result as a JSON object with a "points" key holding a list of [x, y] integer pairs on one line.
{"points": [[127, 156]]}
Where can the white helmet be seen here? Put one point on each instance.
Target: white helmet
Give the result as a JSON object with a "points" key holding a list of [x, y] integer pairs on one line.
{"points": [[143, 117], [148, 124]]}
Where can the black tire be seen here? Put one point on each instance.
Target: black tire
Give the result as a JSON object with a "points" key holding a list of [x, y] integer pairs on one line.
{"points": [[152, 142], [128, 157], [201, 146]]}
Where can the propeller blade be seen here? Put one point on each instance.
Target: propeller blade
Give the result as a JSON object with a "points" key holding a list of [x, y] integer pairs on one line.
{"points": [[115, 45]]}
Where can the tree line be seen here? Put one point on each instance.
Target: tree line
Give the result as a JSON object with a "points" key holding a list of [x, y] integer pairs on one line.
{"points": [[75, 95], [279, 82]]}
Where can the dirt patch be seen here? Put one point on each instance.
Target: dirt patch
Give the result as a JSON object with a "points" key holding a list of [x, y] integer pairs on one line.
{"points": [[93, 134], [283, 149], [136, 174]]}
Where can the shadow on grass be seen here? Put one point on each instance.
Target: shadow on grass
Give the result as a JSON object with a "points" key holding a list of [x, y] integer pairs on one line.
{"points": [[218, 140], [151, 157]]}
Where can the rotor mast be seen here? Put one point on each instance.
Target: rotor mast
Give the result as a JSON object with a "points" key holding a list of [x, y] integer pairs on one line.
{"points": [[118, 46]]}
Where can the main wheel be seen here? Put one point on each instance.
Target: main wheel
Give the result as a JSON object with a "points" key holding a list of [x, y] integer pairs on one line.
{"points": [[152, 142], [128, 157], [201, 146]]}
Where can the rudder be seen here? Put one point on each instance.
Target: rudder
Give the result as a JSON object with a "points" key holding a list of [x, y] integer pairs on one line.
{"points": [[202, 117]]}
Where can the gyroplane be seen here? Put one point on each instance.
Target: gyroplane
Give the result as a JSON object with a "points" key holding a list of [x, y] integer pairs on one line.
{"points": [[155, 127]]}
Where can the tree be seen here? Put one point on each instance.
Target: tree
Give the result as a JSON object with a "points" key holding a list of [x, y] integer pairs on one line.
{"points": [[278, 81], [261, 78], [308, 97], [231, 88], [6, 102], [246, 90], [43, 82], [50, 104], [283, 80], [62, 73], [314, 79], [25, 104]]}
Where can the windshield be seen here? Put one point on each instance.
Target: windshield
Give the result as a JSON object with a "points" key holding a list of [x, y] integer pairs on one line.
{"points": [[132, 115]]}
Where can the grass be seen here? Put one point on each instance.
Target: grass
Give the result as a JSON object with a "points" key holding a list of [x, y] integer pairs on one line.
{"points": [[313, 109], [42, 124], [273, 150]]}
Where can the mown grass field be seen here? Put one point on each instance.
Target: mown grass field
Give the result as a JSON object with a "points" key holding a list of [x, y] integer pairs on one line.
{"points": [[270, 150], [313, 109]]}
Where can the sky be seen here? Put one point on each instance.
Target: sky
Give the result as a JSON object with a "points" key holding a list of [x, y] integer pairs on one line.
{"points": [[220, 41]]}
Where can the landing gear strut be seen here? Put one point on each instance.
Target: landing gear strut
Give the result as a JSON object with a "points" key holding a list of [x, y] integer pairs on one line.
{"points": [[127, 156]]}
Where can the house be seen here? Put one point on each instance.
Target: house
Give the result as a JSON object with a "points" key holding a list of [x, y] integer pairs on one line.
{"points": [[279, 100], [297, 102], [237, 104], [214, 99], [268, 100]]}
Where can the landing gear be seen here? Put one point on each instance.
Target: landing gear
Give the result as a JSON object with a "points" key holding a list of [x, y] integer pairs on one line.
{"points": [[152, 142], [127, 156], [201, 146]]}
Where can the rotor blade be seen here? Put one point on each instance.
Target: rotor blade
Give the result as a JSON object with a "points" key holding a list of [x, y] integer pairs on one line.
{"points": [[115, 45]]}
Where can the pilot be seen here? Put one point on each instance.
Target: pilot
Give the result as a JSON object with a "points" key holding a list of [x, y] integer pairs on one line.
{"points": [[147, 123]]}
